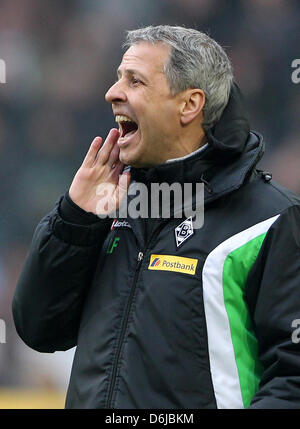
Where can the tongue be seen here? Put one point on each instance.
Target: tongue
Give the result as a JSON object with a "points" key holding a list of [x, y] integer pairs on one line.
{"points": [[130, 133]]}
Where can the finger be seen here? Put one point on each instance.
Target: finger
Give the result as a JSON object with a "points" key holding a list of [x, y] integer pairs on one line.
{"points": [[107, 146], [92, 152], [117, 170], [113, 156], [123, 184]]}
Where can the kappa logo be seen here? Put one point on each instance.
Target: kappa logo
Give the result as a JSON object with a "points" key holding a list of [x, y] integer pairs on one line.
{"points": [[184, 231], [179, 264], [120, 224]]}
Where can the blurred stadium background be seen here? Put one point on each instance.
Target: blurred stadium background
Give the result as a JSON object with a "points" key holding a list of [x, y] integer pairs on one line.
{"points": [[61, 57]]}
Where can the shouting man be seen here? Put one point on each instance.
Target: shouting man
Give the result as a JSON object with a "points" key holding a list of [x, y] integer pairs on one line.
{"points": [[164, 314]]}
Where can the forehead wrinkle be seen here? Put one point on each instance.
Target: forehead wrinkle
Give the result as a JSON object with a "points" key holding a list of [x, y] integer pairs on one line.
{"points": [[140, 61], [129, 72]]}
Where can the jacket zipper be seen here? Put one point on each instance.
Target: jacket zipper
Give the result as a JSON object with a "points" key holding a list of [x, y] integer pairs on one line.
{"points": [[123, 330], [140, 258]]}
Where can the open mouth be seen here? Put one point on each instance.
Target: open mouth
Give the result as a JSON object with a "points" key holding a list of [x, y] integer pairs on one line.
{"points": [[127, 126]]}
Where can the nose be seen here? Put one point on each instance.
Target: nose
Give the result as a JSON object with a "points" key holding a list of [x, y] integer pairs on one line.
{"points": [[116, 93]]}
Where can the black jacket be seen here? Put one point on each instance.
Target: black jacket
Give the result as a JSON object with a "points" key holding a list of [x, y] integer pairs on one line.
{"points": [[207, 324]]}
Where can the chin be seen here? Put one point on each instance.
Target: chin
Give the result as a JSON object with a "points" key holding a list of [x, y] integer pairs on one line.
{"points": [[124, 158], [129, 159], [134, 159]]}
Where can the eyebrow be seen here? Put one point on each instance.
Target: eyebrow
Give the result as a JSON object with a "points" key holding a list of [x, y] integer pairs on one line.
{"points": [[131, 72]]}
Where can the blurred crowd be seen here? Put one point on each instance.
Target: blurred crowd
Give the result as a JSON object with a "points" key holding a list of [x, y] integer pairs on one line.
{"points": [[61, 57]]}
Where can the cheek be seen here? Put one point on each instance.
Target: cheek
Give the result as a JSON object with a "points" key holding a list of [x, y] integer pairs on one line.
{"points": [[159, 119], [158, 116]]}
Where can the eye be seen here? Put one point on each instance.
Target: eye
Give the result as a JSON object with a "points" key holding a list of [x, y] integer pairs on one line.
{"points": [[136, 81]]}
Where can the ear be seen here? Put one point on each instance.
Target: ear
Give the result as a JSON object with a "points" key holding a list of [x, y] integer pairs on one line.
{"points": [[191, 105]]}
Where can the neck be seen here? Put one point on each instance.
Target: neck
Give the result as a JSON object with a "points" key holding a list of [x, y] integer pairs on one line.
{"points": [[189, 155], [187, 145]]}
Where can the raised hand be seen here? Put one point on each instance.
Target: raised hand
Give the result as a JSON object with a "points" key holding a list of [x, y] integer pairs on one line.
{"points": [[100, 184]]}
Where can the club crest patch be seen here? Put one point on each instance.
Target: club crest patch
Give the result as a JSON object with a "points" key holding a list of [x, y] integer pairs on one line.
{"points": [[184, 231]]}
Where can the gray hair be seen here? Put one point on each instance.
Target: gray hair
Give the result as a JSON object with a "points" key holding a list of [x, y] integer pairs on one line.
{"points": [[196, 61]]}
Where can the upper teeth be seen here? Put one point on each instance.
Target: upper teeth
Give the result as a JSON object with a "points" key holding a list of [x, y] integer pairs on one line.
{"points": [[123, 118]]}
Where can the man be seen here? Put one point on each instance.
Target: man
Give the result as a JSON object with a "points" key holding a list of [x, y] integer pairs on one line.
{"points": [[165, 315]]}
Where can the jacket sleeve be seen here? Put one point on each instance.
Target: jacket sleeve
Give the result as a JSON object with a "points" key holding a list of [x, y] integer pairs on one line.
{"points": [[273, 296], [56, 277]]}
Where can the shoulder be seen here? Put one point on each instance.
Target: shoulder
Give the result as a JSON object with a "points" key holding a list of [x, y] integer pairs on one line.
{"points": [[264, 194]]}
